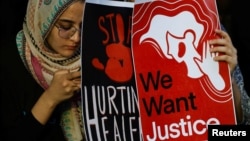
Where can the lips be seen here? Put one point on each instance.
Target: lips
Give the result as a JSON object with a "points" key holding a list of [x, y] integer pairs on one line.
{"points": [[72, 47]]}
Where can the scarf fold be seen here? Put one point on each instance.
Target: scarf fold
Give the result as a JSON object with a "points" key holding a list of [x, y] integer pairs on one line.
{"points": [[41, 62]]}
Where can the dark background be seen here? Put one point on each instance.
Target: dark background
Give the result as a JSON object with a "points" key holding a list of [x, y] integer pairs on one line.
{"points": [[12, 13], [232, 14]]}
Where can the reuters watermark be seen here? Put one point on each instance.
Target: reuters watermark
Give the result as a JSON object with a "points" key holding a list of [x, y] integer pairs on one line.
{"points": [[241, 132]]}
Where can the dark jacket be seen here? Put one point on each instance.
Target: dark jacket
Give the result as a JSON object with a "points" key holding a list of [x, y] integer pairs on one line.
{"points": [[18, 93]]}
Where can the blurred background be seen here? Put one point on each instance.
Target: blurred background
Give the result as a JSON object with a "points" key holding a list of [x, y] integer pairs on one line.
{"points": [[232, 15]]}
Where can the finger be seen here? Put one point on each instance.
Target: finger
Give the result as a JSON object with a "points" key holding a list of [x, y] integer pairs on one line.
{"points": [[223, 58], [231, 60], [73, 75], [69, 76], [59, 72], [227, 51], [77, 83], [72, 86], [219, 41], [76, 86], [223, 34]]}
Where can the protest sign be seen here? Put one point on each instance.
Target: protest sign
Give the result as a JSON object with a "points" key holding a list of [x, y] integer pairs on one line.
{"points": [[181, 88], [110, 102]]}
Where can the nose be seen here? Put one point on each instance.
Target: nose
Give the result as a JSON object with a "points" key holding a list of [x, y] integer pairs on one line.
{"points": [[77, 36]]}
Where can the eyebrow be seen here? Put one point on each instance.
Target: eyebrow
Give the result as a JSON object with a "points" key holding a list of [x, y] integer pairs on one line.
{"points": [[64, 20]]}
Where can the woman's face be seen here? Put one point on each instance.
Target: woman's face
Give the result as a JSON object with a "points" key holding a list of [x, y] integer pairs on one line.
{"points": [[65, 37]]}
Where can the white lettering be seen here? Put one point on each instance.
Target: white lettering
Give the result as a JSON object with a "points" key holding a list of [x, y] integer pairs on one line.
{"points": [[175, 130]]}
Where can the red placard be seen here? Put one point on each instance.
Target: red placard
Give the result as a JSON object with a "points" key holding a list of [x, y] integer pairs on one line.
{"points": [[181, 89]]}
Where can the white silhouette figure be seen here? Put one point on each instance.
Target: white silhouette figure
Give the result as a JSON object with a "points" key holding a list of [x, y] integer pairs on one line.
{"points": [[183, 29], [190, 54], [211, 67]]}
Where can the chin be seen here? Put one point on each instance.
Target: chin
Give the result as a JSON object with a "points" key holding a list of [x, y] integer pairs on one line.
{"points": [[68, 54]]}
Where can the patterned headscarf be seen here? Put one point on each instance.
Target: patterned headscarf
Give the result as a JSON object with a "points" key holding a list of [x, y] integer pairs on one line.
{"points": [[42, 62]]}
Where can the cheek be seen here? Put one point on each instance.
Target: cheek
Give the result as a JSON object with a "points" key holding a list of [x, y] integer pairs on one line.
{"points": [[54, 40]]}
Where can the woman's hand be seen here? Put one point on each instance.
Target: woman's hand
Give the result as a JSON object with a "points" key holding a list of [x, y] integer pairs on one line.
{"points": [[225, 47], [228, 52], [63, 85]]}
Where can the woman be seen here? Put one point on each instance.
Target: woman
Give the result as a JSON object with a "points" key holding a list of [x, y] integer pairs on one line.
{"points": [[40, 97]]}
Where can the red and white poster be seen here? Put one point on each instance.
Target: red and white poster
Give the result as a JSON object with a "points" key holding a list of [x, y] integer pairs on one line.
{"points": [[181, 89], [110, 101]]}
